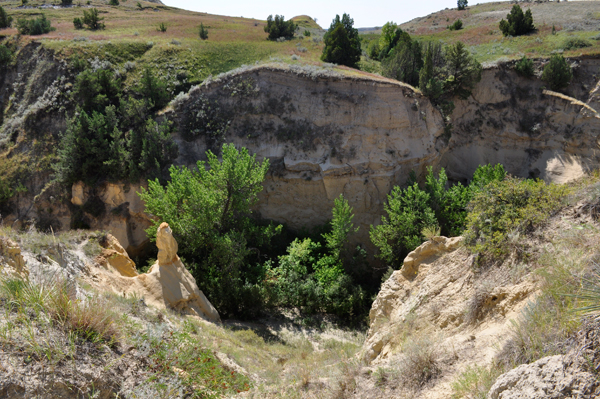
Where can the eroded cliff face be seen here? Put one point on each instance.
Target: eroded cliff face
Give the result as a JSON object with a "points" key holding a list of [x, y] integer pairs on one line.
{"points": [[325, 132], [512, 120], [324, 135]]}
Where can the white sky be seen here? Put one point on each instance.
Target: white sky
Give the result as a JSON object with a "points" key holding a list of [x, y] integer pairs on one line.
{"points": [[366, 14]]}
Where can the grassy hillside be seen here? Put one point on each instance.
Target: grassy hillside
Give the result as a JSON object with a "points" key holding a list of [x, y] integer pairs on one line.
{"points": [[132, 33], [481, 34]]}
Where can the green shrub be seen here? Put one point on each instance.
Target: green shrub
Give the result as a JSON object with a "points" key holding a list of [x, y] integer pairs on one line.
{"points": [[92, 19], [524, 67], [342, 43], [37, 26], [574, 43], [153, 89], [400, 232], [209, 211], [5, 56], [457, 25], [517, 23], [5, 19], [77, 23], [404, 61], [203, 32], [307, 33], [314, 281], [162, 27], [557, 73], [278, 27], [66, 3], [113, 2], [462, 4], [506, 210], [412, 211]]}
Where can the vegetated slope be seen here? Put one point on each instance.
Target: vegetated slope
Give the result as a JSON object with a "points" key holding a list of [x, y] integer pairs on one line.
{"points": [[232, 41], [447, 325], [574, 19], [66, 332], [444, 326]]}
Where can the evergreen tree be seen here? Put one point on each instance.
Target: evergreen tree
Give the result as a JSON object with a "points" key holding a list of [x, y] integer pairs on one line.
{"points": [[342, 43], [203, 32], [462, 4], [557, 74], [462, 69], [278, 27], [5, 19], [517, 23]]}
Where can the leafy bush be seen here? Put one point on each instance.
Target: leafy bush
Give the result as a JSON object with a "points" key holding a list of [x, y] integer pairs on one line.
{"points": [[457, 25], [209, 211], [66, 3], [524, 67], [412, 211], [307, 33], [505, 210], [517, 23], [77, 23], [314, 281], [342, 43], [278, 27], [37, 26], [573, 43], [162, 27], [5, 19], [113, 2], [557, 73], [462, 4], [5, 56], [203, 32], [92, 20], [400, 232]]}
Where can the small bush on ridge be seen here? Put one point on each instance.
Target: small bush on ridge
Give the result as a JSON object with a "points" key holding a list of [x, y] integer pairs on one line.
{"points": [[517, 23], [557, 73], [524, 67], [37, 26]]}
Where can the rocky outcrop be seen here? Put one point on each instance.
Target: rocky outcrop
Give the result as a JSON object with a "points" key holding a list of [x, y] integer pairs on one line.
{"points": [[433, 248], [11, 260], [328, 133], [573, 375], [547, 378], [443, 299], [168, 284], [116, 258]]}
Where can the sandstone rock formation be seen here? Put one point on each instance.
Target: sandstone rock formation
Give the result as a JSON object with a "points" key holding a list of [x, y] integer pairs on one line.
{"points": [[432, 248], [440, 298], [115, 257], [11, 260], [167, 284], [547, 378]]}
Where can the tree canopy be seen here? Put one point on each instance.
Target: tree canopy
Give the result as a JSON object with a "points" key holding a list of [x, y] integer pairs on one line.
{"points": [[342, 43], [278, 27], [517, 23]]}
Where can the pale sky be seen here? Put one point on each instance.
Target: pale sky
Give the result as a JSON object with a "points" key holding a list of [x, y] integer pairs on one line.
{"points": [[365, 13]]}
